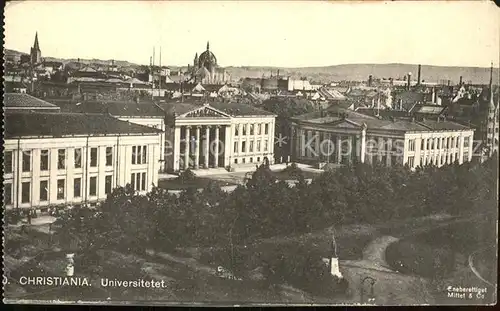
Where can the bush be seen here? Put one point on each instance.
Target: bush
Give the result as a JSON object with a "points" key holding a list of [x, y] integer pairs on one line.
{"points": [[12, 217], [187, 176], [294, 170], [303, 269]]}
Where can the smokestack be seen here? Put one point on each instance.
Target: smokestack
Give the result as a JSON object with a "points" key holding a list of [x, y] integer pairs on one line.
{"points": [[418, 74], [460, 83], [449, 82], [491, 75], [370, 79], [409, 81]]}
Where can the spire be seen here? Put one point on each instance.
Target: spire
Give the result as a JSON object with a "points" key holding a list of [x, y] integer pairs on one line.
{"points": [[208, 45], [35, 45]]}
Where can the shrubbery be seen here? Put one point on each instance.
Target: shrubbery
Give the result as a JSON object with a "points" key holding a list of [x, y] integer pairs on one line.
{"points": [[264, 207]]}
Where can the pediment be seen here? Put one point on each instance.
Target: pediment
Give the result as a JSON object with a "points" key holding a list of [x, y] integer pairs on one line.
{"points": [[346, 124], [205, 112]]}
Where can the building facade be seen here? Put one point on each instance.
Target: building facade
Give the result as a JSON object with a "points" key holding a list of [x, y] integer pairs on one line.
{"points": [[61, 159], [344, 137], [217, 135]]}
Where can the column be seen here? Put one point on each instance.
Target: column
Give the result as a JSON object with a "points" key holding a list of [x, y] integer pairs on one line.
{"points": [[389, 152], [207, 144], [188, 143], [240, 139], [217, 146], [423, 153], [302, 139], [197, 152], [228, 144], [351, 149], [363, 146], [380, 149], [436, 151], [271, 141], [339, 147], [177, 147], [316, 147], [306, 140], [471, 145], [461, 150], [330, 147]]}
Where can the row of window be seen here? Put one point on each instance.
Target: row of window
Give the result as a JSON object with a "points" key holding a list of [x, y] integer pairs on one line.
{"points": [[252, 129], [61, 189], [250, 146], [139, 156], [243, 160], [437, 143], [439, 160], [61, 159]]}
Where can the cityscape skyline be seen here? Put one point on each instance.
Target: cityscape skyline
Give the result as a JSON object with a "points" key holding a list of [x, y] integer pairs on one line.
{"points": [[428, 44]]}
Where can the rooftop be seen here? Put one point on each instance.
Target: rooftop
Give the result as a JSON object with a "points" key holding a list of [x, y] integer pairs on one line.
{"points": [[68, 124], [25, 101], [335, 115], [115, 108]]}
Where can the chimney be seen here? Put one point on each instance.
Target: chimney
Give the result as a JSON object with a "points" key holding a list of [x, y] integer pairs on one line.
{"points": [[278, 74], [409, 80], [460, 83], [419, 74], [370, 79], [449, 82]]}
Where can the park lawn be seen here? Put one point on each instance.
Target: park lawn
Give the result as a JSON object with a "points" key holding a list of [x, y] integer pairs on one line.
{"points": [[196, 183]]}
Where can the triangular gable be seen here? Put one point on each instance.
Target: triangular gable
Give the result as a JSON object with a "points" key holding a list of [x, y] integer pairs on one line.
{"points": [[346, 123], [203, 112], [198, 88]]}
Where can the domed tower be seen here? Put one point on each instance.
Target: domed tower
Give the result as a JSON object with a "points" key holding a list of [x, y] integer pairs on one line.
{"points": [[207, 59]]}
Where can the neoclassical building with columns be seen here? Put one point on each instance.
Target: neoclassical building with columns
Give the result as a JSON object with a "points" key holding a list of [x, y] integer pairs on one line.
{"points": [[217, 135], [342, 136]]}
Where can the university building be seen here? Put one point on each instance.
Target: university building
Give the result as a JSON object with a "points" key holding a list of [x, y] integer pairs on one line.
{"points": [[217, 135], [58, 158], [341, 136], [237, 134]]}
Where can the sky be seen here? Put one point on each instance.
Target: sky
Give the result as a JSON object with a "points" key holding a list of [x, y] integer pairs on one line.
{"points": [[247, 33]]}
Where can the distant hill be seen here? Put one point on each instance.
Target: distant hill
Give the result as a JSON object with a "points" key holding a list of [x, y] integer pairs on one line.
{"points": [[352, 72], [360, 72]]}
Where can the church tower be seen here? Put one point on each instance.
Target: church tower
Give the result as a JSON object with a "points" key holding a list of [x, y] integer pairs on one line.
{"points": [[36, 54], [195, 63]]}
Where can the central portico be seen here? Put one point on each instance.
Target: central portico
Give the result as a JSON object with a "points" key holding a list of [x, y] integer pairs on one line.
{"points": [[217, 135], [201, 138]]}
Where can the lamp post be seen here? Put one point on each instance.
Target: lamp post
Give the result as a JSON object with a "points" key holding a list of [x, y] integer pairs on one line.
{"points": [[371, 281]]}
